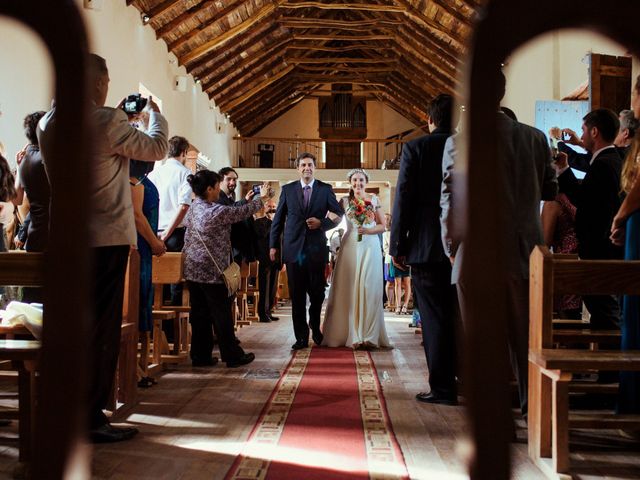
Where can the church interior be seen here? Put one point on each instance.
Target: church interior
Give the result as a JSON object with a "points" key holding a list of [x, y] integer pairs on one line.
{"points": [[255, 85]]}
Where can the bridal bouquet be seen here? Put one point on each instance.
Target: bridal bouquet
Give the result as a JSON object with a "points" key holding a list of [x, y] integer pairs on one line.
{"points": [[361, 212]]}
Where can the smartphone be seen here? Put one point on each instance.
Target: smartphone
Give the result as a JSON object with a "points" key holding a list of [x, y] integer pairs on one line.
{"points": [[256, 189]]}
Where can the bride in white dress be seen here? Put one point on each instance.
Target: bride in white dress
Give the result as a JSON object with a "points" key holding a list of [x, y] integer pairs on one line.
{"points": [[354, 316]]}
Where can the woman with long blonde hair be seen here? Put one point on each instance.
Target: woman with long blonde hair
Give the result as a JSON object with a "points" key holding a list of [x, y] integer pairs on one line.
{"points": [[625, 230]]}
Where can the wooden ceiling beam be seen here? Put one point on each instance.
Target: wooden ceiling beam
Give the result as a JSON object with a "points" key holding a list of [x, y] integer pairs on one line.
{"points": [[219, 16], [359, 82], [238, 68], [372, 7], [243, 42], [454, 12], [431, 69], [161, 8], [245, 80], [355, 70], [414, 96], [390, 98], [342, 38], [410, 34], [261, 86], [297, 22], [285, 87], [404, 105], [330, 60], [319, 78], [233, 32], [415, 14], [270, 115], [254, 109], [310, 47], [184, 17]]}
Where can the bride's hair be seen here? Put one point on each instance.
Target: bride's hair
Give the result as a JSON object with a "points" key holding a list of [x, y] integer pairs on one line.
{"points": [[353, 171]]}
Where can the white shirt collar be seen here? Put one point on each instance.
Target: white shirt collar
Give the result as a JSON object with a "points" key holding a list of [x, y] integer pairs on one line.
{"points": [[310, 184], [597, 152]]}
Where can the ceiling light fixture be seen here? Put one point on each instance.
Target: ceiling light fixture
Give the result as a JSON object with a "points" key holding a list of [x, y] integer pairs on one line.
{"points": [[145, 18]]}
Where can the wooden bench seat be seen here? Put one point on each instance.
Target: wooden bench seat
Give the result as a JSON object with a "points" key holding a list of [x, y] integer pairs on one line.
{"points": [[23, 355], [569, 360], [551, 369], [586, 335]]}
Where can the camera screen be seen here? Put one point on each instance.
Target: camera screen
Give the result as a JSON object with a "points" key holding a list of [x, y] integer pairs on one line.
{"points": [[256, 189], [130, 106]]}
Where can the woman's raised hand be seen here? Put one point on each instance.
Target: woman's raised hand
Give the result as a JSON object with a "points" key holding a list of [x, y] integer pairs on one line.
{"points": [[266, 191]]}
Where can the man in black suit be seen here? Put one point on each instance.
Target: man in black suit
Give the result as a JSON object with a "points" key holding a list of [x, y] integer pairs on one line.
{"points": [[302, 214], [416, 241], [597, 200]]}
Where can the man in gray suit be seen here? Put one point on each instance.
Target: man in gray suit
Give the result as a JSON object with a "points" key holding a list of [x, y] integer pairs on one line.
{"points": [[112, 229], [527, 176]]}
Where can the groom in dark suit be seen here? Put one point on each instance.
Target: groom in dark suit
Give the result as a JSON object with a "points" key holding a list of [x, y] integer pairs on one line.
{"points": [[302, 214]]}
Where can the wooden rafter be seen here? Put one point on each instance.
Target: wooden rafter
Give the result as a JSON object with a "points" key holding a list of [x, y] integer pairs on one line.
{"points": [[286, 87], [240, 82], [265, 83], [296, 22], [257, 17], [185, 16], [240, 67], [333, 60], [273, 114], [259, 111], [341, 49], [373, 7], [354, 70], [430, 23], [220, 15], [446, 6], [242, 43], [162, 8], [342, 38]]}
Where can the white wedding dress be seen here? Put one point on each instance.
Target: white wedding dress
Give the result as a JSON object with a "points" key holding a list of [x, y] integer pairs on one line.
{"points": [[354, 316]]}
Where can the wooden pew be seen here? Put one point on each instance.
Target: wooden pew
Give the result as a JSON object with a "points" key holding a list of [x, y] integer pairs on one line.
{"points": [[125, 391], [551, 369], [251, 286], [23, 269], [167, 270]]}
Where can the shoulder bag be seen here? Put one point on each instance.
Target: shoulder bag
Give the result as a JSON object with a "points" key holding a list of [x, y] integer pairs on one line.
{"points": [[230, 275]]}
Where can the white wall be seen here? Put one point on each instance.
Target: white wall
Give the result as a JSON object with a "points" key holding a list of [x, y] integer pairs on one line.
{"points": [[133, 56], [550, 67]]}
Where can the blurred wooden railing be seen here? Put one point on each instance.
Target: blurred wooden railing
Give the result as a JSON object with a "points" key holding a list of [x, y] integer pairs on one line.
{"points": [[372, 153]]}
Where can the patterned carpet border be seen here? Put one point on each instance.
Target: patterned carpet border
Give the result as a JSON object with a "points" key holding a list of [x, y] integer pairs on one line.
{"points": [[270, 424], [384, 455]]}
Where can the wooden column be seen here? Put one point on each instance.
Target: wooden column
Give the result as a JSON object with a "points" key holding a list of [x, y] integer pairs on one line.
{"points": [[504, 26], [61, 416]]}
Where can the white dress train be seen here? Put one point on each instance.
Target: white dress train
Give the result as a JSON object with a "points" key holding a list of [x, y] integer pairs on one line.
{"points": [[354, 315]]}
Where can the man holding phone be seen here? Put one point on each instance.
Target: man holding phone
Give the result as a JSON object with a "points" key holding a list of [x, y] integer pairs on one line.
{"points": [[242, 236]]}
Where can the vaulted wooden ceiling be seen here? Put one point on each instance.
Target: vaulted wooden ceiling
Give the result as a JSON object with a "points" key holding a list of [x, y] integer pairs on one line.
{"points": [[258, 58]]}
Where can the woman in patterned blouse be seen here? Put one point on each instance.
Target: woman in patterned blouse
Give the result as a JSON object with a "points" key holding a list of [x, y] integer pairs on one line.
{"points": [[207, 244]]}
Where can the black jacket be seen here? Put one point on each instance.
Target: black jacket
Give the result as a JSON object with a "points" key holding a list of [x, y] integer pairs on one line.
{"points": [[242, 233], [597, 199], [415, 229]]}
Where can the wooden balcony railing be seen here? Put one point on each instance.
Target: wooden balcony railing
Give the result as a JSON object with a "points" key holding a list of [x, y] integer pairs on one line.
{"points": [[261, 152]]}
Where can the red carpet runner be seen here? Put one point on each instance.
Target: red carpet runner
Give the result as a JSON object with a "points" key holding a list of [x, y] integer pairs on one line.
{"points": [[326, 419]]}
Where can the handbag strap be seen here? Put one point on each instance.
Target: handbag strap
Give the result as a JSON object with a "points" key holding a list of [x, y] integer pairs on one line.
{"points": [[208, 252]]}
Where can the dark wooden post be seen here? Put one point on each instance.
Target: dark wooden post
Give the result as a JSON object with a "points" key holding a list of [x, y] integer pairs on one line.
{"points": [[502, 27], [61, 417]]}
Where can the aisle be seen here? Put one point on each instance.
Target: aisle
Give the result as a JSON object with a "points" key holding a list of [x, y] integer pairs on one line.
{"points": [[326, 420], [195, 422]]}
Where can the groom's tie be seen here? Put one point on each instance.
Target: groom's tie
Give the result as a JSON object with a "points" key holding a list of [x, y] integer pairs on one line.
{"points": [[307, 195]]}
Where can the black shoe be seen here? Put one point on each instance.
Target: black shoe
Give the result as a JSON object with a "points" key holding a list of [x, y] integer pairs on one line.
{"points": [[107, 433], [274, 319], [206, 362], [243, 360], [317, 338], [431, 398], [265, 320], [299, 345]]}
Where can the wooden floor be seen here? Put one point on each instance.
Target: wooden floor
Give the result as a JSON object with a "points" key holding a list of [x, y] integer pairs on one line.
{"points": [[192, 424]]}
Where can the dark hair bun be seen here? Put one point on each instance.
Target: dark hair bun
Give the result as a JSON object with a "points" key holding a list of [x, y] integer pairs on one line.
{"points": [[202, 180]]}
